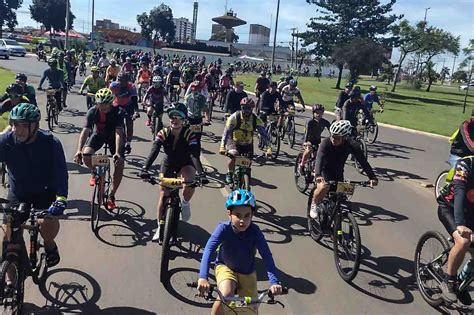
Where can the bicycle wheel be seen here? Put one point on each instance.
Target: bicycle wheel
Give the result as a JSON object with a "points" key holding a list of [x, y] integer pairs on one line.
{"points": [[211, 108], [95, 206], [431, 256], [371, 133], [291, 132], [363, 147], [40, 268], [347, 246], [154, 127], [11, 290], [440, 183], [246, 181], [300, 179], [274, 140], [171, 225], [56, 115], [314, 225], [50, 117]]}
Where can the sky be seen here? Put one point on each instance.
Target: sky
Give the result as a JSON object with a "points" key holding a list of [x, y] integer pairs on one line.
{"points": [[455, 16]]}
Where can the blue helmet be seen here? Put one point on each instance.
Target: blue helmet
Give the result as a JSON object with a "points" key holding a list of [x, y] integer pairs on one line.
{"points": [[240, 197]]}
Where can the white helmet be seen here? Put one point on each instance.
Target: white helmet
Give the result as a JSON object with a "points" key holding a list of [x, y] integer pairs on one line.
{"points": [[341, 128]]}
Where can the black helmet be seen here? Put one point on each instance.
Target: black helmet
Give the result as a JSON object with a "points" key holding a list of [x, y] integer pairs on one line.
{"points": [[15, 88], [349, 85], [293, 83], [354, 93], [53, 62], [21, 77], [178, 108], [318, 107], [122, 76]]}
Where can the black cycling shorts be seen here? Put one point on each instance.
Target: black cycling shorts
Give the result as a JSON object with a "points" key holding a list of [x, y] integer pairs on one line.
{"points": [[172, 169], [446, 216], [96, 142]]}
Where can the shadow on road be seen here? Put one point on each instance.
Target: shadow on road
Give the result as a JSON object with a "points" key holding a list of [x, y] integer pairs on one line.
{"points": [[66, 128], [366, 214], [390, 150], [389, 175], [68, 290]]}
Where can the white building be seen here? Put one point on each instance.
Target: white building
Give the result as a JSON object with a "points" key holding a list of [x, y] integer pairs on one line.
{"points": [[184, 30]]}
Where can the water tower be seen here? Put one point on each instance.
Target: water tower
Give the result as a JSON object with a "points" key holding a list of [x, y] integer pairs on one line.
{"points": [[229, 20]]}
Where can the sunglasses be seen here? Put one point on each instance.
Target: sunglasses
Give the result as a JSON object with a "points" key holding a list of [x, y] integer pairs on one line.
{"points": [[175, 117]]}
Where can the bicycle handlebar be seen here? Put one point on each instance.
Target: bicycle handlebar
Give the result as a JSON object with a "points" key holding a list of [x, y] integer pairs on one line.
{"points": [[359, 183]]}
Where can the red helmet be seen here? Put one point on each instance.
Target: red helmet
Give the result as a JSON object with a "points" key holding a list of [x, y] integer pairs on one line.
{"points": [[247, 101]]}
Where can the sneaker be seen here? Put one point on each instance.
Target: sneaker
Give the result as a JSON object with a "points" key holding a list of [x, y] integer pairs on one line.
{"points": [[313, 212], [228, 178], [449, 288], [92, 180], [111, 203], [185, 210]]}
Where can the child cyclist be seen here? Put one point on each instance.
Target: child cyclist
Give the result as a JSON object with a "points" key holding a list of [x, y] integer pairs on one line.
{"points": [[236, 241]]}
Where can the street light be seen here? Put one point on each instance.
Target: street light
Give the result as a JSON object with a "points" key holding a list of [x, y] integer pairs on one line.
{"points": [[275, 36], [67, 25], [426, 11]]}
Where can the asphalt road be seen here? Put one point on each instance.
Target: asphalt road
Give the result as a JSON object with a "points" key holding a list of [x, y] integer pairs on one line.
{"points": [[117, 271]]}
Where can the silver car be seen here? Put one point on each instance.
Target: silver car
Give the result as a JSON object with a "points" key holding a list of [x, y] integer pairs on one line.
{"points": [[4, 51], [13, 47]]}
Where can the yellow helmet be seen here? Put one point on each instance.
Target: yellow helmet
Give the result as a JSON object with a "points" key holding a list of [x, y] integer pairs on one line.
{"points": [[95, 69], [104, 96]]}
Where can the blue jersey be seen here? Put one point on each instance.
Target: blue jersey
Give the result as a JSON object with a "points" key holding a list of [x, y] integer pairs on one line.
{"points": [[370, 99], [237, 251], [36, 167]]}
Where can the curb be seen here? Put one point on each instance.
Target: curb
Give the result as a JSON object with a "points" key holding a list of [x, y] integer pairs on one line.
{"points": [[424, 133]]}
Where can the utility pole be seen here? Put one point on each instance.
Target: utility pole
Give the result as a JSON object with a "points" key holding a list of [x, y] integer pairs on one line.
{"points": [[275, 35], [468, 84], [66, 43], [292, 45], [296, 51], [419, 56], [452, 70], [92, 28]]}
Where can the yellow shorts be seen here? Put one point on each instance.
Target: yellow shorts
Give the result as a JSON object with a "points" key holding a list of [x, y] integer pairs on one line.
{"points": [[246, 284]]}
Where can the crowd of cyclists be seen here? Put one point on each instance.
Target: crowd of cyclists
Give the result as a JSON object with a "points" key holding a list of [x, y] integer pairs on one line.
{"points": [[185, 88]]}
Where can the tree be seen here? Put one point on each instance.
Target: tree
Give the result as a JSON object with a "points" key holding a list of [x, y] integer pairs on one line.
{"points": [[460, 76], [158, 24], [443, 74], [7, 14], [408, 42], [221, 36], [52, 14], [430, 74], [343, 20]]}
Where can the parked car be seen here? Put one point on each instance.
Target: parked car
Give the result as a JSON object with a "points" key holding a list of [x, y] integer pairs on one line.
{"points": [[13, 47], [464, 86], [4, 52]]}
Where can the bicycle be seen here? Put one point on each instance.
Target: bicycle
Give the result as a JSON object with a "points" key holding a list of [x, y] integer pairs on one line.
{"points": [[442, 180], [52, 108], [175, 91], [337, 221], [430, 270], [274, 135], [156, 121], [172, 207], [141, 93], [90, 100], [223, 96], [241, 305], [103, 181], [18, 264], [359, 138], [370, 132], [242, 172], [289, 126], [82, 69], [303, 181]]}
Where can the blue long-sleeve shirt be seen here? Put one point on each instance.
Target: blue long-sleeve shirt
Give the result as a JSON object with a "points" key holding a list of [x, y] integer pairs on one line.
{"points": [[36, 167], [369, 100], [237, 251]]}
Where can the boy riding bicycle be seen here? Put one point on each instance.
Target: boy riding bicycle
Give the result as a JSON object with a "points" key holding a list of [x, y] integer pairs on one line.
{"points": [[236, 241]]}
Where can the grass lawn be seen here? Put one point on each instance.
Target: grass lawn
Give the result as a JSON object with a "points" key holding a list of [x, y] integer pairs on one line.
{"points": [[438, 111], [6, 78]]}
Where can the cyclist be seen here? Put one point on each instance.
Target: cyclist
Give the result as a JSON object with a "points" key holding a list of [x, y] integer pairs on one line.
{"points": [[312, 137], [352, 106], [268, 100], [455, 211], [226, 82], [288, 93], [65, 67], [210, 80], [261, 85], [188, 76], [104, 124], [93, 83], [241, 126], [196, 106], [103, 63], [154, 97], [372, 97], [234, 98], [343, 97], [56, 80], [112, 71], [284, 81], [143, 77], [37, 171], [28, 89], [73, 64], [178, 143], [462, 141], [174, 78], [330, 159], [236, 242], [94, 61], [14, 95], [126, 96]]}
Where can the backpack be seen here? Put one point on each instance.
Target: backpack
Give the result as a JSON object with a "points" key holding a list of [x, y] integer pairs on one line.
{"points": [[239, 121]]}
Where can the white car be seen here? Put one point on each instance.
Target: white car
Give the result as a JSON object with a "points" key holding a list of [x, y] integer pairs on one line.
{"points": [[4, 52], [13, 47], [464, 86]]}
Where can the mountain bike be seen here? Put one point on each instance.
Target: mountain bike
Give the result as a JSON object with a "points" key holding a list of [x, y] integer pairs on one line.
{"points": [[242, 171], [370, 131], [335, 220], [141, 93], [443, 179], [241, 304], [82, 69], [175, 91], [223, 96], [103, 181], [156, 120], [273, 134], [172, 207], [289, 126], [52, 108], [90, 100], [431, 260], [303, 180], [359, 138], [18, 263]]}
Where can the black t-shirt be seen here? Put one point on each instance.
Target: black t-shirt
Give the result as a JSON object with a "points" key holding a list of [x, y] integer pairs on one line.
{"points": [[262, 84], [233, 100], [343, 97], [105, 124], [314, 129], [175, 75], [268, 100]]}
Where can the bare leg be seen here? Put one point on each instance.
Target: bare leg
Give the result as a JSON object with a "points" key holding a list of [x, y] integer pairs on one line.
{"points": [[456, 255]]}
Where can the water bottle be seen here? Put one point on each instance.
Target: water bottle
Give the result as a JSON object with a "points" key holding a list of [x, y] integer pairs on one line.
{"points": [[466, 270]]}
